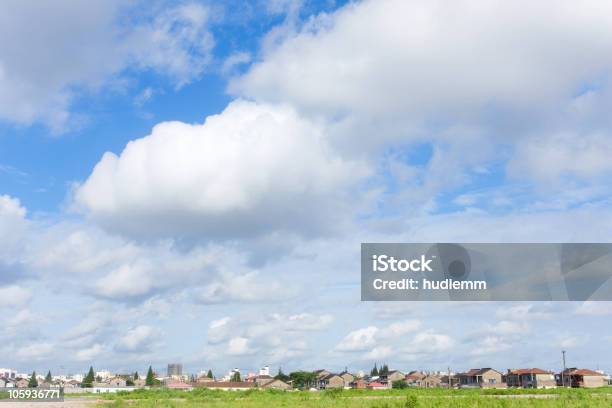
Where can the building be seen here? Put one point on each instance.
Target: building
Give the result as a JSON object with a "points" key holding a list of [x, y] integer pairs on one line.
{"points": [[264, 371], [582, 378], [414, 378], [377, 386], [481, 377], [432, 381], [274, 384], [226, 385], [359, 384], [8, 373], [331, 381], [117, 382], [348, 378], [394, 375], [175, 370], [530, 378], [321, 373]]}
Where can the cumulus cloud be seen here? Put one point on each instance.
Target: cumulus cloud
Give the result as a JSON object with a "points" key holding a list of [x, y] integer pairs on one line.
{"points": [[400, 53], [73, 45], [141, 338], [253, 168], [14, 296]]}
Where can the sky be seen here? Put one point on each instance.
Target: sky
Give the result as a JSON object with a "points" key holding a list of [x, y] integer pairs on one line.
{"points": [[191, 181]]}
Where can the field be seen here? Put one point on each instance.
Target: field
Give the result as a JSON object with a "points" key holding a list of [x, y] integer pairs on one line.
{"points": [[601, 397]]}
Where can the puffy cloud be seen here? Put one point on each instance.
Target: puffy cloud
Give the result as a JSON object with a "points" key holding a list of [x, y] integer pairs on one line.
{"points": [[90, 353], [140, 338], [243, 172], [14, 296], [73, 45], [34, 351], [238, 346], [359, 340], [394, 57]]}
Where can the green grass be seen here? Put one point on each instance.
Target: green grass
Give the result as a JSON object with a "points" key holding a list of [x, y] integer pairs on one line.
{"points": [[410, 398]]}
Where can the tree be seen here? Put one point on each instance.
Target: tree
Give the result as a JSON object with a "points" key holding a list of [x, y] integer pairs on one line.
{"points": [[150, 381], [303, 379], [400, 384], [136, 375], [236, 377], [384, 370], [374, 371], [281, 376], [49, 377], [89, 379], [129, 382], [209, 374], [33, 383]]}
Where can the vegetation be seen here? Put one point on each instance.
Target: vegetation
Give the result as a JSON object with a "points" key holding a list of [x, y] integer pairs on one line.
{"points": [[236, 377], [33, 382], [282, 376], [89, 379], [395, 398], [150, 380], [303, 379], [400, 384], [209, 374], [49, 377]]}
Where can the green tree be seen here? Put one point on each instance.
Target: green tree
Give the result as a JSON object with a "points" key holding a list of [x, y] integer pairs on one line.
{"points": [[136, 375], [303, 379], [374, 371], [49, 377], [129, 382], [89, 379], [384, 370], [150, 381], [209, 374], [236, 377], [33, 383], [281, 376], [400, 384]]}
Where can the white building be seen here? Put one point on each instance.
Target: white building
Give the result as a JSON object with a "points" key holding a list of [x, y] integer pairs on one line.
{"points": [[8, 373], [264, 370], [104, 375]]}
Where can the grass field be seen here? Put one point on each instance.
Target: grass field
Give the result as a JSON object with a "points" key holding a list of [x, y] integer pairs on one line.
{"points": [[601, 397]]}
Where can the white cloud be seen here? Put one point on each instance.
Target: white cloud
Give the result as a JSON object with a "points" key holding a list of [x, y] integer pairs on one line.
{"points": [[594, 308], [393, 57], [241, 173], [429, 342], [14, 296], [90, 353], [73, 45], [140, 338], [34, 351], [238, 346], [359, 340], [489, 345]]}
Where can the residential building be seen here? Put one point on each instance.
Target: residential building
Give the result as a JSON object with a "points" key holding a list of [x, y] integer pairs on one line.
{"points": [[481, 377], [348, 378], [530, 378], [393, 375], [226, 385], [414, 378], [264, 371], [432, 381], [377, 386], [331, 381], [117, 382], [321, 373], [274, 384], [582, 378]]}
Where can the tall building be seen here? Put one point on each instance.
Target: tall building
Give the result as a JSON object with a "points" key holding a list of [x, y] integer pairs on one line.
{"points": [[175, 369]]}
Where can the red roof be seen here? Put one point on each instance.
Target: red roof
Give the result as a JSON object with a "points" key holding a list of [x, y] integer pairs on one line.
{"points": [[520, 371], [585, 371], [376, 384]]}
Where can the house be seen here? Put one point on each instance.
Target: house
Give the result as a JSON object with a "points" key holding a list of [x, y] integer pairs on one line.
{"points": [[377, 386], [262, 379], [226, 385], [530, 378], [140, 382], [359, 384], [432, 381], [347, 377], [453, 380], [414, 378], [481, 377], [275, 384], [21, 383], [331, 381], [582, 378], [394, 375], [321, 373], [179, 385], [116, 382]]}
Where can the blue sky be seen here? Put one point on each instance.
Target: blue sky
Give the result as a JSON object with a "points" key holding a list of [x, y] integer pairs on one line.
{"points": [[190, 181]]}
